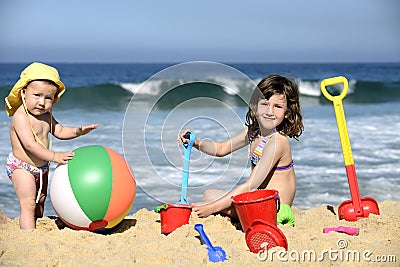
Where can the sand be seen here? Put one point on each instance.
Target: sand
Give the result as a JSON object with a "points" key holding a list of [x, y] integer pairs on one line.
{"points": [[137, 241]]}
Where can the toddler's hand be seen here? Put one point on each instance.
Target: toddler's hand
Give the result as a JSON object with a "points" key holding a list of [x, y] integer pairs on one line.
{"points": [[82, 130], [62, 157], [181, 138]]}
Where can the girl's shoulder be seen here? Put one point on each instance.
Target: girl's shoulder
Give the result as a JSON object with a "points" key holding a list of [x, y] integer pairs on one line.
{"points": [[282, 139]]}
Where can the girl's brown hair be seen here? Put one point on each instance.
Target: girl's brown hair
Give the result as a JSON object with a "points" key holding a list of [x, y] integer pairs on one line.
{"points": [[292, 124]]}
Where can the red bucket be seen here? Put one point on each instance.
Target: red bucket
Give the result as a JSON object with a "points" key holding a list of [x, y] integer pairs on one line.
{"points": [[174, 216], [257, 205]]}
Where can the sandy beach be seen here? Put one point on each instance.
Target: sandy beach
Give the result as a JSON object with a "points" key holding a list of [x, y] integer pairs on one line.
{"points": [[137, 241]]}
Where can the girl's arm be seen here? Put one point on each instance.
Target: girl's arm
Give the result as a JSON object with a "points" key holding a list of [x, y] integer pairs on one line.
{"points": [[272, 152], [67, 132], [219, 149]]}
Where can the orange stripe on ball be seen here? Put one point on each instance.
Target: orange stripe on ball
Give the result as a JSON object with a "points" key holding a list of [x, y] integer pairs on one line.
{"points": [[123, 189]]}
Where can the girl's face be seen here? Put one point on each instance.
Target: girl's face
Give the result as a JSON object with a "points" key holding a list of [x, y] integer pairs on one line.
{"points": [[271, 112], [39, 97]]}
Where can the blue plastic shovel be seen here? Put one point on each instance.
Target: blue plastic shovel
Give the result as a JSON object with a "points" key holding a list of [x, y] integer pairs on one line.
{"points": [[215, 254], [187, 147]]}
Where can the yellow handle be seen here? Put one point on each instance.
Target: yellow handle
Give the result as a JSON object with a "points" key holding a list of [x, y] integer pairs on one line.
{"points": [[333, 81], [340, 118]]}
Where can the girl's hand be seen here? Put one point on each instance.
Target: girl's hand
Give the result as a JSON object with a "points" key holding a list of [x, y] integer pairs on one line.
{"points": [[62, 157], [181, 138], [82, 130], [203, 209]]}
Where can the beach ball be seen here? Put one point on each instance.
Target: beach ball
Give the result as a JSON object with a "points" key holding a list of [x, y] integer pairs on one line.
{"points": [[95, 190]]}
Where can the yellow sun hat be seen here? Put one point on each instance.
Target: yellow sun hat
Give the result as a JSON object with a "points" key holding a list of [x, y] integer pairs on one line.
{"points": [[35, 71]]}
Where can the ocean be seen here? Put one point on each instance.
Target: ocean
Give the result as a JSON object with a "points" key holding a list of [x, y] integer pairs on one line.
{"points": [[141, 108]]}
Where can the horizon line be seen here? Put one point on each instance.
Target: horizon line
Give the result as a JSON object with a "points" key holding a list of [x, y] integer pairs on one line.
{"points": [[223, 62]]}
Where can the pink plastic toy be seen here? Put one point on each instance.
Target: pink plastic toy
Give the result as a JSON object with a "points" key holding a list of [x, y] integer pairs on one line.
{"points": [[342, 229]]}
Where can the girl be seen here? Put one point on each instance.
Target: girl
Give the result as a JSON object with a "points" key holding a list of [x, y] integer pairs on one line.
{"points": [[273, 116]]}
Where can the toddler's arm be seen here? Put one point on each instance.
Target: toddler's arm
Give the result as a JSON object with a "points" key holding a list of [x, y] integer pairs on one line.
{"points": [[20, 132], [62, 157], [67, 132]]}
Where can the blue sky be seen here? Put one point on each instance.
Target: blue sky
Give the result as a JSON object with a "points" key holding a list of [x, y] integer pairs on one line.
{"points": [[215, 30]]}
